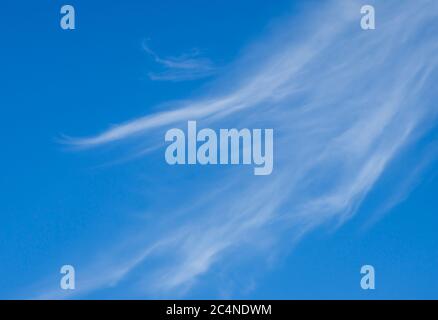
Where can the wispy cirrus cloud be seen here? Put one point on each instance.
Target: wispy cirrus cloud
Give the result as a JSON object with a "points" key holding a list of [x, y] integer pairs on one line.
{"points": [[343, 103], [188, 66]]}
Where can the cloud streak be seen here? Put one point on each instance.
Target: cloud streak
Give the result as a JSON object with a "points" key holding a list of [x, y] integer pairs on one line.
{"points": [[343, 104], [189, 66]]}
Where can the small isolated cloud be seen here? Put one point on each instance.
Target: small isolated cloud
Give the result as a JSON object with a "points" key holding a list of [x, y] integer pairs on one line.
{"points": [[188, 66]]}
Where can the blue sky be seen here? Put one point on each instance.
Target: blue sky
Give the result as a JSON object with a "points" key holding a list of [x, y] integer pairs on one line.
{"points": [[85, 183]]}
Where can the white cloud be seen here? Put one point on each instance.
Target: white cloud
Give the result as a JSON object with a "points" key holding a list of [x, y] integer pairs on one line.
{"points": [[343, 103], [189, 66]]}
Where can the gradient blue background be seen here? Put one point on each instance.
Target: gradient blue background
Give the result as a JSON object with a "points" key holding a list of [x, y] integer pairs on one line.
{"points": [[58, 205]]}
